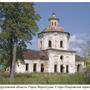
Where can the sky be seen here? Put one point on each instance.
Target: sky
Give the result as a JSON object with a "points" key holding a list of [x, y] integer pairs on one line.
{"points": [[74, 18]]}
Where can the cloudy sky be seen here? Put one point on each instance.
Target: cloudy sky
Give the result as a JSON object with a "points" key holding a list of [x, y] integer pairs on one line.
{"points": [[74, 18]]}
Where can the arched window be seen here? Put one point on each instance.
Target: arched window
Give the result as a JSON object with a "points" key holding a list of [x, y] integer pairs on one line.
{"points": [[55, 23], [41, 44], [49, 43], [42, 68], [55, 68], [61, 57], [61, 43], [52, 23]]}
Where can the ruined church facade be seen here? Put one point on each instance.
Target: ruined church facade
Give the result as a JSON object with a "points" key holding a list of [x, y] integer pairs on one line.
{"points": [[53, 55]]}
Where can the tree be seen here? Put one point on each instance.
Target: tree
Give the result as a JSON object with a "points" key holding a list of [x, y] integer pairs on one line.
{"points": [[18, 27], [5, 52]]}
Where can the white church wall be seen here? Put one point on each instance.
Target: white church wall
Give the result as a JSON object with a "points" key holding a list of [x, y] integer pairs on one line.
{"points": [[31, 62], [21, 68], [68, 59], [55, 39]]}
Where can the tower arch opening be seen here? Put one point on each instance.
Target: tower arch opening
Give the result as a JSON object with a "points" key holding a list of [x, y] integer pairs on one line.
{"points": [[61, 44]]}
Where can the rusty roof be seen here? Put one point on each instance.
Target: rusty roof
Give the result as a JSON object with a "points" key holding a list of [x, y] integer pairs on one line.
{"points": [[71, 51], [35, 55], [53, 32]]}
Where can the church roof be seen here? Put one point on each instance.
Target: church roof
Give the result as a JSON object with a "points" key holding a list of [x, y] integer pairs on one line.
{"points": [[35, 55], [52, 27], [53, 17], [52, 31], [41, 55], [57, 31], [72, 51]]}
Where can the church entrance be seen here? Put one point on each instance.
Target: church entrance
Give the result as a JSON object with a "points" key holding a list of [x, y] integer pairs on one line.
{"points": [[42, 68], [55, 68], [61, 68], [67, 68], [78, 67]]}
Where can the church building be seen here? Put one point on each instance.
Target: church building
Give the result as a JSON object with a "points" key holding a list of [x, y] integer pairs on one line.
{"points": [[53, 55]]}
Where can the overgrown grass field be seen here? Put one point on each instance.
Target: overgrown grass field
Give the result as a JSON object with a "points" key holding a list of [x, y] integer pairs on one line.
{"points": [[46, 78]]}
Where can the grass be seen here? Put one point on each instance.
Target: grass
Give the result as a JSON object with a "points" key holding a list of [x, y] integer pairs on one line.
{"points": [[46, 78]]}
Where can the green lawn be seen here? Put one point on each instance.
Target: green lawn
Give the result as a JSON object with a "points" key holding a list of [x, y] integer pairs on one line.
{"points": [[45, 78]]}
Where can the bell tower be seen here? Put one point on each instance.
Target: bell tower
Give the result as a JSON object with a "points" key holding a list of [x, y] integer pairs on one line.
{"points": [[53, 37], [53, 21]]}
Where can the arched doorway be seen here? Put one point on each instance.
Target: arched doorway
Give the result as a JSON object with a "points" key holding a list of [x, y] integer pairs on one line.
{"points": [[67, 68], [42, 68], [34, 67], [61, 68], [55, 68], [78, 67]]}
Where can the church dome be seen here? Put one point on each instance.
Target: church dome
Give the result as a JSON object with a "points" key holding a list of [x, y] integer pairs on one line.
{"points": [[53, 17], [54, 26], [52, 29]]}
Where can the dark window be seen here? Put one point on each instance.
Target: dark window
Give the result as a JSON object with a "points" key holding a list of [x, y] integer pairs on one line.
{"points": [[49, 43], [42, 68], [27, 66], [67, 68], [34, 67], [61, 43], [61, 57], [52, 23], [55, 68], [41, 43], [55, 23], [61, 68]]}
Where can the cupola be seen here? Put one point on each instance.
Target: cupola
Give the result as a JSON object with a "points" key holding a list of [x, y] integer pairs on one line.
{"points": [[53, 21]]}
